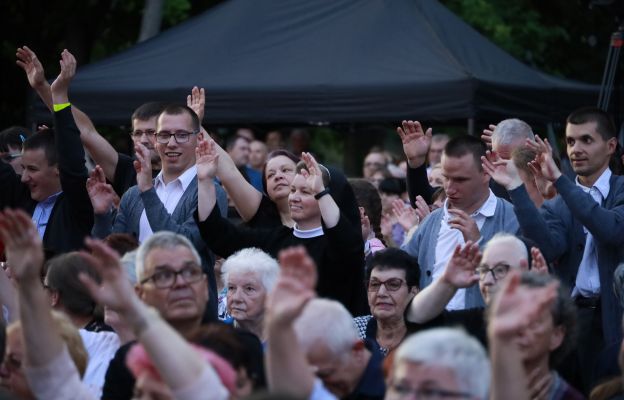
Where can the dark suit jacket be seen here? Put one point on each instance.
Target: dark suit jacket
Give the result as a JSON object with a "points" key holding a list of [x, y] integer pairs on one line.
{"points": [[72, 215], [557, 228]]}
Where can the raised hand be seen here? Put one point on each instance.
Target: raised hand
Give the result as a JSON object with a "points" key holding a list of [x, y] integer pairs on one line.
{"points": [[197, 101], [405, 215], [60, 86], [28, 61], [365, 223], [544, 165], [538, 262], [23, 246], [143, 167], [517, 306], [206, 159], [101, 193], [487, 135], [294, 288], [504, 172], [460, 272], [416, 142], [115, 291], [313, 176], [422, 208], [466, 225]]}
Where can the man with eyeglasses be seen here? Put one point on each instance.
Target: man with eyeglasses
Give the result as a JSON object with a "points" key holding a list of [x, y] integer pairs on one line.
{"points": [[11, 141], [166, 202], [170, 279]]}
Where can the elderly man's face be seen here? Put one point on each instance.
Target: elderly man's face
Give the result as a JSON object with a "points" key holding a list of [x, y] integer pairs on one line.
{"points": [[340, 373], [419, 380], [245, 297], [181, 302]]}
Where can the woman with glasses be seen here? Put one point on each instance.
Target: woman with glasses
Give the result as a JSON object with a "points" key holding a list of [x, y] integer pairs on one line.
{"points": [[391, 282]]}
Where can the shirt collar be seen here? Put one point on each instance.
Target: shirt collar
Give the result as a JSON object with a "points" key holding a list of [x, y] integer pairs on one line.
{"points": [[602, 183], [184, 179], [309, 233], [51, 199], [487, 209]]}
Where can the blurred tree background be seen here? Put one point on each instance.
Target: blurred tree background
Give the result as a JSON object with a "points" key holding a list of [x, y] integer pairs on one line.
{"points": [[563, 37]]}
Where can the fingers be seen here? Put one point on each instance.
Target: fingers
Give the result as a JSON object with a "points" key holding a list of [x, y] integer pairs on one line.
{"points": [[429, 132], [311, 163], [102, 253]]}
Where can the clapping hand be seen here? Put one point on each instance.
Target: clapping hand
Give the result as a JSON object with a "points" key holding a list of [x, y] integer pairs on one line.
{"points": [[294, 288], [23, 245], [544, 164], [28, 61], [197, 102], [466, 225], [416, 142], [313, 175], [60, 86], [206, 159], [504, 172], [517, 306], [538, 262], [487, 135], [460, 272], [143, 167], [405, 215], [101, 193]]}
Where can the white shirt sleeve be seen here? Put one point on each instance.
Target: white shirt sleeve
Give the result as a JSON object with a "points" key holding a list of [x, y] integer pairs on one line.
{"points": [[319, 392], [58, 380]]}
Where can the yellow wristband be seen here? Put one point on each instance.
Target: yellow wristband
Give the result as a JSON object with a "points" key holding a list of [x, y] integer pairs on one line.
{"points": [[59, 107]]}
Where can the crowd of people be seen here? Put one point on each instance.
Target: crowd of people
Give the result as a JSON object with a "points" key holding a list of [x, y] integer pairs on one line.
{"points": [[465, 267]]}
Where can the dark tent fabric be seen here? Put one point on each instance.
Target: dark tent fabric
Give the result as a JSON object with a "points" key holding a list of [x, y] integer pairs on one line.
{"points": [[326, 61]]}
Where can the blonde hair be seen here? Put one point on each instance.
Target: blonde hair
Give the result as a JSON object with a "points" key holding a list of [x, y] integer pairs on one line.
{"points": [[70, 336]]}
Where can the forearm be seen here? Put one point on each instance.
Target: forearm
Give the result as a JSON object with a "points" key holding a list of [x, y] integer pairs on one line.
{"points": [[206, 198], [509, 380], [45, 94], [329, 211], [99, 148], [286, 367], [418, 184], [245, 197], [430, 302], [178, 363], [42, 342]]}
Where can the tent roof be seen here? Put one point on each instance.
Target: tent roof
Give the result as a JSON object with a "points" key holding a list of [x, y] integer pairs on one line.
{"points": [[300, 61]]}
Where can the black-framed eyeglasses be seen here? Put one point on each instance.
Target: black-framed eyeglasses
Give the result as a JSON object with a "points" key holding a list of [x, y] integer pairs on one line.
{"points": [[165, 277], [392, 284], [499, 271], [427, 393], [138, 133], [180, 136]]}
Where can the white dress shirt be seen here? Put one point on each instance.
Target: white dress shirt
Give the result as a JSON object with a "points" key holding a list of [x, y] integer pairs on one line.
{"points": [[169, 194], [449, 238], [587, 278]]}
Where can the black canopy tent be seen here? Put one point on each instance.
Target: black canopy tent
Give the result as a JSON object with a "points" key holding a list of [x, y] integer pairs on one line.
{"points": [[326, 61]]}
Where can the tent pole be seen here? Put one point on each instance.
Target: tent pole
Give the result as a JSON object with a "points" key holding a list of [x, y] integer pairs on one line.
{"points": [[471, 126]]}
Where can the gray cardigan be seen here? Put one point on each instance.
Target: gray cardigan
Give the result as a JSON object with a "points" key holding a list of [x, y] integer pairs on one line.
{"points": [[422, 245], [557, 228], [127, 220]]}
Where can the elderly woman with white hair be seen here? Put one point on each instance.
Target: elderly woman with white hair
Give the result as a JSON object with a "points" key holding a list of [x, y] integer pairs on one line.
{"points": [[249, 275]]}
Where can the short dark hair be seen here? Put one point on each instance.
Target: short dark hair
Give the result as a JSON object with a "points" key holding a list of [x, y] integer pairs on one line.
{"points": [[14, 137], [604, 123], [149, 110], [178, 109], [392, 258], [62, 276], [462, 145], [43, 140], [368, 198], [122, 242], [231, 141]]}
